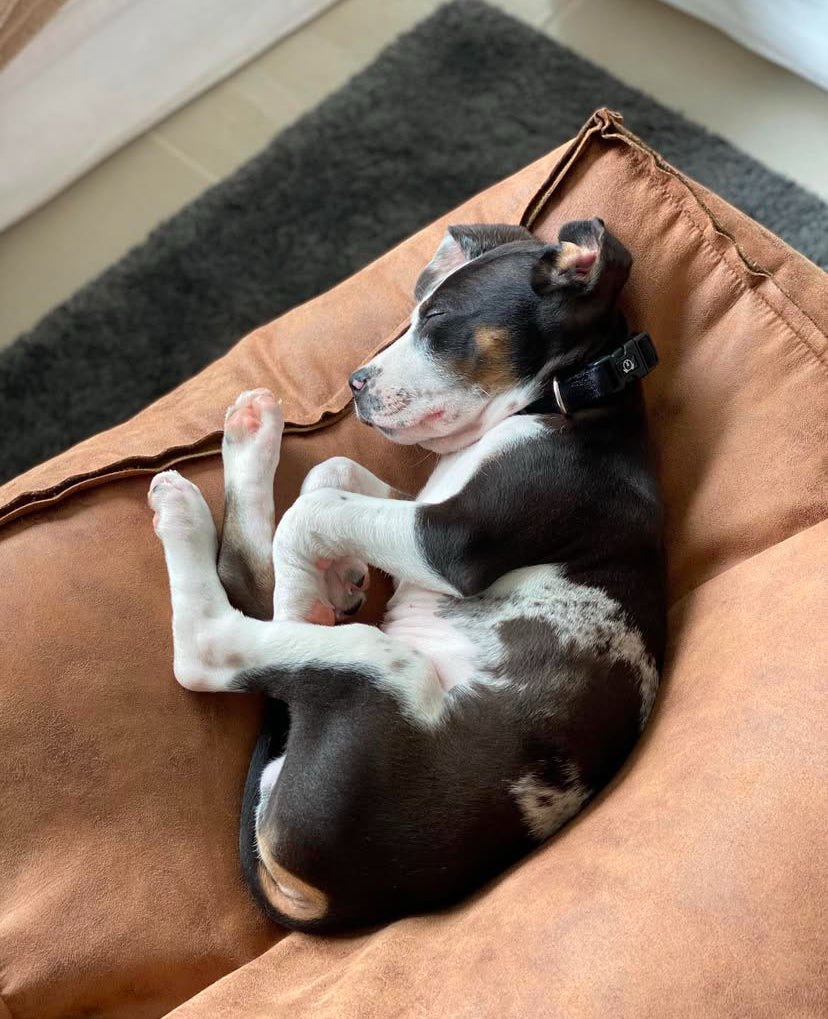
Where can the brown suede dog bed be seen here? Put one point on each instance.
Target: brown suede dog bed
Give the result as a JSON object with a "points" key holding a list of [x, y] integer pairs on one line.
{"points": [[691, 887]]}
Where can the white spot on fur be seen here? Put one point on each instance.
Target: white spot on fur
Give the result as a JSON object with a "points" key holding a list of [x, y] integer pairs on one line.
{"points": [[413, 682], [581, 617], [414, 615], [547, 808], [267, 781]]}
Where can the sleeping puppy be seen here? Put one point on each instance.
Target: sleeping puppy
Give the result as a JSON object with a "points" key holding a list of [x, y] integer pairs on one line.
{"points": [[519, 656]]}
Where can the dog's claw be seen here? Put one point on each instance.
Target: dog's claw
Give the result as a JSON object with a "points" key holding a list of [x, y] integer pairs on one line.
{"points": [[346, 581], [355, 577]]}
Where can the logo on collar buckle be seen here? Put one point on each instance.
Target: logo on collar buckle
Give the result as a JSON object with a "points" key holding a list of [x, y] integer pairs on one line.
{"points": [[635, 359]]}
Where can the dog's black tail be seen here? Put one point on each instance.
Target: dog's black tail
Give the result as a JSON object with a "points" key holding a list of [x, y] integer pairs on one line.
{"points": [[270, 744]]}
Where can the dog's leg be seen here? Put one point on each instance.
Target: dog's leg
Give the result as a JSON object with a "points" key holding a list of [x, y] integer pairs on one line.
{"points": [[326, 524], [185, 526], [348, 476], [216, 648], [250, 451], [278, 657], [347, 578]]}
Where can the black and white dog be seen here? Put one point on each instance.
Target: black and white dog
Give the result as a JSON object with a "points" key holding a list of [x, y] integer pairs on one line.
{"points": [[520, 654]]}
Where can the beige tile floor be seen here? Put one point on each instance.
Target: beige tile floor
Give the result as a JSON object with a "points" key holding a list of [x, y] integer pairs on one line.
{"points": [[768, 112]]}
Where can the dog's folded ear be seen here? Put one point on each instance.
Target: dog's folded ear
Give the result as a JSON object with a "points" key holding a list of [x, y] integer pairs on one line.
{"points": [[461, 244], [574, 261], [562, 264]]}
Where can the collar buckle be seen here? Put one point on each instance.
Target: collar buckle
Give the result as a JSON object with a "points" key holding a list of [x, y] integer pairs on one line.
{"points": [[635, 359], [606, 376]]}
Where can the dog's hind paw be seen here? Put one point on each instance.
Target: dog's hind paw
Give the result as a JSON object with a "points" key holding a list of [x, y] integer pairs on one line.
{"points": [[177, 504], [253, 428]]}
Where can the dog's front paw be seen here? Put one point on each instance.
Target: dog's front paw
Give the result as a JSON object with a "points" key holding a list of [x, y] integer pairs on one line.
{"points": [[325, 592], [300, 593], [313, 582], [346, 582]]}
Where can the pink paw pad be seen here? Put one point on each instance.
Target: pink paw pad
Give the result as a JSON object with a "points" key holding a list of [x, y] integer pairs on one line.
{"points": [[321, 615], [247, 415]]}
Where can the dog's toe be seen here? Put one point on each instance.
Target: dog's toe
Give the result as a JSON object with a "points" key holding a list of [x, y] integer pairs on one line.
{"points": [[178, 506], [254, 410]]}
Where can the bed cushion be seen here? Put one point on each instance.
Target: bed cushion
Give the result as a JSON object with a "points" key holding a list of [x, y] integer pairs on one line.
{"points": [[120, 891]]}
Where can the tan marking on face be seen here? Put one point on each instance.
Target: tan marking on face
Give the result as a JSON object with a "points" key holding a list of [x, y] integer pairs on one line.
{"points": [[491, 368], [286, 892]]}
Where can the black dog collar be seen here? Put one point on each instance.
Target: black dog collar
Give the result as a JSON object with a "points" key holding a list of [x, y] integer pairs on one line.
{"points": [[606, 376]]}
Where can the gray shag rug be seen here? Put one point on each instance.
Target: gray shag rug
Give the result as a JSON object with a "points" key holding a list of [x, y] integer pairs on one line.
{"points": [[467, 97]]}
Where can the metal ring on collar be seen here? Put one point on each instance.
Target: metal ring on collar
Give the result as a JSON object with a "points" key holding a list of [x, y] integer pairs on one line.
{"points": [[556, 389]]}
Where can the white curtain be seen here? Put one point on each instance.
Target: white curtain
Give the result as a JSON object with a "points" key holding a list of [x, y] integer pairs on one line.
{"points": [[793, 33], [100, 72]]}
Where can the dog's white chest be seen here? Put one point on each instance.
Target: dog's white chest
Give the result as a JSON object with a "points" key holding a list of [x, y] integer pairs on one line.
{"points": [[454, 471], [415, 615]]}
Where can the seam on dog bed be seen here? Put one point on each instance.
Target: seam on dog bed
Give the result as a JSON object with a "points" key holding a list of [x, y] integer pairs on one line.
{"points": [[604, 123], [210, 445]]}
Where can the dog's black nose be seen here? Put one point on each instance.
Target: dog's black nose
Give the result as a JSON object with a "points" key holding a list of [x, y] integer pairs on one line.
{"points": [[358, 379]]}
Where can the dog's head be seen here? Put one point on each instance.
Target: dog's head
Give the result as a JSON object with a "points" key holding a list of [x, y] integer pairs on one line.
{"points": [[499, 312]]}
